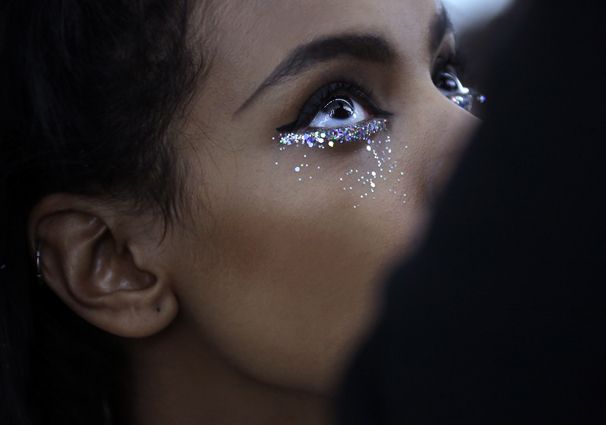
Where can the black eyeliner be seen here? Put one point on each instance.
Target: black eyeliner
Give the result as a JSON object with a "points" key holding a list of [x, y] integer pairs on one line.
{"points": [[323, 96]]}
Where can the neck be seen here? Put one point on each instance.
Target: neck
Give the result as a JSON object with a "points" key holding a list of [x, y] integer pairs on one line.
{"points": [[175, 381]]}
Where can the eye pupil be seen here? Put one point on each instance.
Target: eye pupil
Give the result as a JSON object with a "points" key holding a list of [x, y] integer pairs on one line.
{"points": [[447, 82], [340, 109]]}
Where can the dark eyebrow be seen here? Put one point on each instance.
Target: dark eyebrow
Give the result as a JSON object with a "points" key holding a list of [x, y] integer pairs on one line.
{"points": [[439, 27], [367, 47]]}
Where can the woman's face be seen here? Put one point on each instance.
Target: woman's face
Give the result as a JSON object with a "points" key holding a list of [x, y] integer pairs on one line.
{"points": [[279, 265]]}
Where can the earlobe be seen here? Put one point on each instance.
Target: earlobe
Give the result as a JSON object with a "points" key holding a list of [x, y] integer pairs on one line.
{"points": [[90, 265]]}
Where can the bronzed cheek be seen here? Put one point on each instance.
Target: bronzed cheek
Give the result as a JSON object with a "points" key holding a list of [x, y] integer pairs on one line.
{"points": [[374, 168]]}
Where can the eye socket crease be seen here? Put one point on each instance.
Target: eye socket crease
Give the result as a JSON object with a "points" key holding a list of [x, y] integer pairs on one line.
{"points": [[363, 46]]}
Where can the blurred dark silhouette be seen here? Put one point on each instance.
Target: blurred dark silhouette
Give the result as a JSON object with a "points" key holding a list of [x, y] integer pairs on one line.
{"points": [[477, 45], [500, 316]]}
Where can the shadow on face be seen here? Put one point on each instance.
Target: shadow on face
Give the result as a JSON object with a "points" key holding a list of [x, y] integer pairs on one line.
{"points": [[288, 243]]}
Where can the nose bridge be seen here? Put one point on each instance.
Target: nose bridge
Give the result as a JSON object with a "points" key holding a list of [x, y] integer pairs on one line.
{"points": [[452, 130], [434, 135]]}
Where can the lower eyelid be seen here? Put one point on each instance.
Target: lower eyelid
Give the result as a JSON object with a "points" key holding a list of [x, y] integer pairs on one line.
{"points": [[329, 138]]}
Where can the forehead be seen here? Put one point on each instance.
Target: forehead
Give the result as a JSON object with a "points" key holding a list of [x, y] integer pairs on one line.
{"points": [[256, 35]]}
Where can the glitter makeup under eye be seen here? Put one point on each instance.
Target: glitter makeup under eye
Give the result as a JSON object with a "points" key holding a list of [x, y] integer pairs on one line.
{"points": [[379, 173], [330, 137]]}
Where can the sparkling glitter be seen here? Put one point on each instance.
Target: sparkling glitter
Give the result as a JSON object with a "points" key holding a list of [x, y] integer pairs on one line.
{"points": [[378, 166], [361, 132]]}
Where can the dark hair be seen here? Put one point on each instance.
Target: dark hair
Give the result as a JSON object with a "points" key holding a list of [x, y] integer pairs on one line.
{"points": [[90, 92]]}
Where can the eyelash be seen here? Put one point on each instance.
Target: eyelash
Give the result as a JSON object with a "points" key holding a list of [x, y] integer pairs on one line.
{"points": [[289, 134], [325, 95], [450, 64]]}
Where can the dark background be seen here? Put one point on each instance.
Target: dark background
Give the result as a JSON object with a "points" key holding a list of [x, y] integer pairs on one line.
{"points": [[500, 317]]}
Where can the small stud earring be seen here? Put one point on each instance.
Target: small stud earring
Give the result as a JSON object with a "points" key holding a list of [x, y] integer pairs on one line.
{"points": [[38, 258]]}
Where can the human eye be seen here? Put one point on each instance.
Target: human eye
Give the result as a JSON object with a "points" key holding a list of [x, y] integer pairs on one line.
{"points": [[339, 112], [446, 79]]}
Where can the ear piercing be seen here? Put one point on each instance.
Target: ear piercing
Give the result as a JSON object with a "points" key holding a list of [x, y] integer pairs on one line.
{"points": [[38, 259]]}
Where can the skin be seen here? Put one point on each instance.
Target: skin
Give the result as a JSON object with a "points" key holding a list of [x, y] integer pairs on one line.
{"points": [[248, 310]]}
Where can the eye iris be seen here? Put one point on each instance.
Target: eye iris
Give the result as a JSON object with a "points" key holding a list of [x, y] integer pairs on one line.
{"points": [[447, 82], [340, 109]]}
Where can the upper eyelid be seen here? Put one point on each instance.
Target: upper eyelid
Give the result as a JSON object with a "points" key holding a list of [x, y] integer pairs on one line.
{"points": [[346, 84], [444, 46], [368, 47], [291, 125], [447, 51], [450, 56], [371, 47]]}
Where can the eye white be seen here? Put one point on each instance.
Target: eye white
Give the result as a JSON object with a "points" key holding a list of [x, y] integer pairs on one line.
{"points": [[329, 118], [450, 83]]}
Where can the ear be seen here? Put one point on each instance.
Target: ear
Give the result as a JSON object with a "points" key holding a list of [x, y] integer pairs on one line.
{"points": [[103, 264]]}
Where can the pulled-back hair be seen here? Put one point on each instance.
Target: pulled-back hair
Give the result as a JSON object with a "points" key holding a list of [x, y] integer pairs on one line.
{"points": [[91, 90]]}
